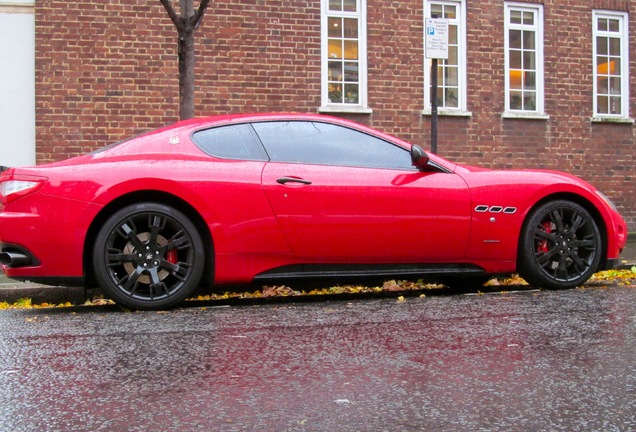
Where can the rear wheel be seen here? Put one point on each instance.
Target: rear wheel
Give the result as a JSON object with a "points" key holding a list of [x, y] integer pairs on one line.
{"points": [[148, 256], [561, 246]]}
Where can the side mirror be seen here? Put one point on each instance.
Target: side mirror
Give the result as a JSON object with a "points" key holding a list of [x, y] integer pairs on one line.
{"points": [[419, 157]]}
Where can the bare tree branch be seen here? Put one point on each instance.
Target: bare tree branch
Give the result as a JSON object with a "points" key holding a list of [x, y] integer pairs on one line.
{"points": [[196, 19], [172, 13]]}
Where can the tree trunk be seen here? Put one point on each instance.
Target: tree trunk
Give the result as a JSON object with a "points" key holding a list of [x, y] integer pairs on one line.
{"points": [[186, 24], [186, 75]]}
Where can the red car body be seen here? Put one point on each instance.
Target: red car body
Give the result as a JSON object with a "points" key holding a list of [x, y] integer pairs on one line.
{"points": [[349, 220]]}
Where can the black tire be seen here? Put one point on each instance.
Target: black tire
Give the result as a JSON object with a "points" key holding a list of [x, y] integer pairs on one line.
{"points": [[148, 256], [560, 246]]}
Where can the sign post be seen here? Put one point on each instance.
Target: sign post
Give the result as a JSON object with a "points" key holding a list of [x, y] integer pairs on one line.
{"points": [[436, 48]]}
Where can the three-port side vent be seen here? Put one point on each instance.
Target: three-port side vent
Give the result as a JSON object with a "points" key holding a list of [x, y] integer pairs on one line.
{"points": [[495, 209]]}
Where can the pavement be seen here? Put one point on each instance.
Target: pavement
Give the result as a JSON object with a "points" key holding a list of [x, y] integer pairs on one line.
{"points": [[11, 290]]}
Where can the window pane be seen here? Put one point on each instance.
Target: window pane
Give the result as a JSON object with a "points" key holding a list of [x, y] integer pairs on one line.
{"points": [[515, 17], [528, 40], [602, 24], [350, 6], [326, 144], [351, 93], [602, 105], [230, 142], [529, 60], [613, 25], [351, 50], [437, 9], [528, 18], [615, 105], [614, 46], [601, 45], [451, 100], [451, 78], [450, 12], [335, 48], [351, 72], [452, 34], [335, 27], [515, 79], [351, 28], [453, 58], [514, 39], [515, 60], [530, 101], [615, 86], [515, 100], [335, 93], [530, 81], [335, 71], [601, 85], [615, 67]]}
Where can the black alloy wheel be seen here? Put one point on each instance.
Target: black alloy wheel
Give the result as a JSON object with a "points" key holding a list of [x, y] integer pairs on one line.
{"points": [[561, 246], [148, 256]]}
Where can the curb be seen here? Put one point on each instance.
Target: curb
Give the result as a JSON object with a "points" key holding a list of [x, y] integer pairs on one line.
{"points": [[12, 291]]}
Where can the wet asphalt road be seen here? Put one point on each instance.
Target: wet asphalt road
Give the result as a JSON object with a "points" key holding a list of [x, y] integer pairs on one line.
{"points": [[531, 361]]}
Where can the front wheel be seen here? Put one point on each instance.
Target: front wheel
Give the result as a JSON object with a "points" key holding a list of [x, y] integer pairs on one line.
{"points": [[560, 246], [148, 256]]}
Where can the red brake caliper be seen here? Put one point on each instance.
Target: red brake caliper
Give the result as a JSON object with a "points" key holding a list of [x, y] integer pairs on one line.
{"points": [[171, 256], [542, 246]]}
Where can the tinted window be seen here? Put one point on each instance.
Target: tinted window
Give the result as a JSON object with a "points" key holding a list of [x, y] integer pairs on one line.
{"points": [[230, 142], [327, 144]]}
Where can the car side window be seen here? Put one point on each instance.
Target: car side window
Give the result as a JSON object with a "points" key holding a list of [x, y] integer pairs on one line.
{"points": [[328, 144], [230, 142]]}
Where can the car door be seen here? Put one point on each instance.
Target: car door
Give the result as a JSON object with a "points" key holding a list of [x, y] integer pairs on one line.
{"points": [[341, 195]]}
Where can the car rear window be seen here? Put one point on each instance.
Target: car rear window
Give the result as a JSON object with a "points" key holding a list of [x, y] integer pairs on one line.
{"points": [[230, 142]]}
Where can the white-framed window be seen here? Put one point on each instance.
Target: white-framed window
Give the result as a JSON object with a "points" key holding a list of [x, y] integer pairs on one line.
{"points": [[611, 65], [523, 44], [344, 56], [451, 72]]}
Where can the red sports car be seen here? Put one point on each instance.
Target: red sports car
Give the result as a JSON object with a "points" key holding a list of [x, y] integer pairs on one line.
{"points": [[248, 198]]}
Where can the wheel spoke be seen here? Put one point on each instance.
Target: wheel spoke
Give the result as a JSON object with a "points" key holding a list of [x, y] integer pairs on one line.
{"points": [[129, 282], [128, 230], [117, 257], [577, 222], [156, 224], [178, 241], [557, 218]]}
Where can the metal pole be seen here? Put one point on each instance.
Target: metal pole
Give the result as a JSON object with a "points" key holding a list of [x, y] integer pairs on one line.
{"points": [[434, 106], [434, 102]]}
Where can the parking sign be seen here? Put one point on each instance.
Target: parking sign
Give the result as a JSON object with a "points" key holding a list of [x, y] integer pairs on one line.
{"points": [[436, 39]]}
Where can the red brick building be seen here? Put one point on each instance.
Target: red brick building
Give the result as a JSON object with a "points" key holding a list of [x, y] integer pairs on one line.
{"points": [[545, 84]]}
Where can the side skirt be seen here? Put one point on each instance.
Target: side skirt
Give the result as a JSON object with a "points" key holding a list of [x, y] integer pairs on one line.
{"points": [[362, 271]]}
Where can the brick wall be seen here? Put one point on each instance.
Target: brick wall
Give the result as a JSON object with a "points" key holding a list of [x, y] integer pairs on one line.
{"points": [[107, 69]]}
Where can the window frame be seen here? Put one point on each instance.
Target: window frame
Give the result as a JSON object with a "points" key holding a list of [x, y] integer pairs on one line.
{"points": [[538, 28], [623, 17], [361, 15], [462, 105]]}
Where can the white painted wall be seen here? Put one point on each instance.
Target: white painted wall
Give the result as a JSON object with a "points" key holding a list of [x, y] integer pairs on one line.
{"points": [[17, 82]]}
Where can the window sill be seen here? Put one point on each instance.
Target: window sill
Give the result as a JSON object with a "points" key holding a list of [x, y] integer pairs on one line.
{"points": [[448, 113], [344, 109], [618, 120], [524, 116]]}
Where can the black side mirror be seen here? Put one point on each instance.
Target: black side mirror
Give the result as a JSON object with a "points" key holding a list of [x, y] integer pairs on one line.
{"points": [[419, 157]]}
